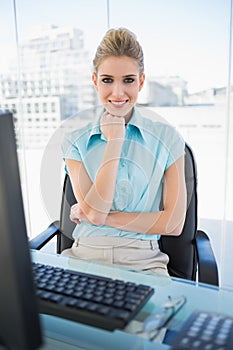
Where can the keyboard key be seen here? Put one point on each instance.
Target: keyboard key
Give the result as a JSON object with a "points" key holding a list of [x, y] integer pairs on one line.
{"points": [[94, 300], [205, 331]]}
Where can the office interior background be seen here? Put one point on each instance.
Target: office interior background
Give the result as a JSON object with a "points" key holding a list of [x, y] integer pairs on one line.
{"points": [[46, 56]]}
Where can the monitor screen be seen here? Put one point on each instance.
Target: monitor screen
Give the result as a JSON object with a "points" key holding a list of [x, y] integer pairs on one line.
{"points": [[19, 319]]}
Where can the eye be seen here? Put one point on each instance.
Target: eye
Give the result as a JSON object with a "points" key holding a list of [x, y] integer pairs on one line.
{"points": [[129, 80], [107, 80]]}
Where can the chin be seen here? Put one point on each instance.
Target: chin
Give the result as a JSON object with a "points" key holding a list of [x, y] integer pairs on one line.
{"points": [[119, 112]]}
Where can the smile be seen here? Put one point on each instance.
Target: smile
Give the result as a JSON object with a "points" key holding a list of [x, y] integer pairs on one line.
{"points": [[118, 103]]}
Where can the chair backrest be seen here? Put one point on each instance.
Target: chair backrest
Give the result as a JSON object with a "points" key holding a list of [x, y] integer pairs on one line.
{"points": [[67, 226], [181, 250]]}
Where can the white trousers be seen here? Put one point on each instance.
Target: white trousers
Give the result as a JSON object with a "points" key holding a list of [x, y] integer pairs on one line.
{"points": [[132, 253]]}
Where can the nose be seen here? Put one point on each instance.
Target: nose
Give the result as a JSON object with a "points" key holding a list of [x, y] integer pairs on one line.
{"points": [[118, 90]]}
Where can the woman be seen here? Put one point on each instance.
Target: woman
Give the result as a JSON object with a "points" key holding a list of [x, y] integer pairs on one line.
{"points": [[121, 165]]}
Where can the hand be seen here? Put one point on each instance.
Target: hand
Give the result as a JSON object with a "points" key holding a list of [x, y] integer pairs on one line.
{"points": [[77, 215], [112, 127]]}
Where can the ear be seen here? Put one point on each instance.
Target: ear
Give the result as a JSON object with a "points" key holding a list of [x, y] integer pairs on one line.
{"points": [[142, 80], [94, 80]]}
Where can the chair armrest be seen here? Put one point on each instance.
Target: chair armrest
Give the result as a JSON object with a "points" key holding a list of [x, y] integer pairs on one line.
{"points": [[44, 237], [207, 266]]}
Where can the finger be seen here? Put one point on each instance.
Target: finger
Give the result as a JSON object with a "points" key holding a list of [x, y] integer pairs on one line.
{"points": [[75, 220]]}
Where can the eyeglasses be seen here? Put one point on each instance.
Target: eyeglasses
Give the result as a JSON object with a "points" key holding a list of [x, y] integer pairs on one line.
{"points": [[154, 323]]}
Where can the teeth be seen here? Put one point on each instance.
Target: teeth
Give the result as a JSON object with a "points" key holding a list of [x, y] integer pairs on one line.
{"points": [[118, 103]]}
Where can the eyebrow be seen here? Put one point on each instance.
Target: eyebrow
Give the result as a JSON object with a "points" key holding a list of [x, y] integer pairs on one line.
{"points": [[124, 76]]}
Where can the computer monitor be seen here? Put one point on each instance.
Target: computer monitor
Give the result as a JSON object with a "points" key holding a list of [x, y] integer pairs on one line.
{"points": [[19, 319]]}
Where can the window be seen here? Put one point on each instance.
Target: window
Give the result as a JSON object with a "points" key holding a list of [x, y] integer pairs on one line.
{"points": [[45, 107], [186, 46], [37, 107], [28, 108]]}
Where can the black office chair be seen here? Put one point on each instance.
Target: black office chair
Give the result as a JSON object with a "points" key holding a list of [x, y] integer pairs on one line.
{"points": [[191, 256]]}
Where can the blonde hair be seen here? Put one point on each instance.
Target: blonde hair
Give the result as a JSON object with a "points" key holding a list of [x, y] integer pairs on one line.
{"points": [[119, 42]]}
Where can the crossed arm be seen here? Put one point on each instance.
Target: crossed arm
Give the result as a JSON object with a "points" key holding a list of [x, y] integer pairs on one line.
{"points": [[94, 205]]}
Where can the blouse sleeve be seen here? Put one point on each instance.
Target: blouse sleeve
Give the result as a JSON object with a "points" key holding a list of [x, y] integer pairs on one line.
{"points": [[70, 149], [176, 147]]}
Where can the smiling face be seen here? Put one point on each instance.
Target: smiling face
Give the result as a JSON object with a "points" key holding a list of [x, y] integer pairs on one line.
{"points": [[118, 83]]}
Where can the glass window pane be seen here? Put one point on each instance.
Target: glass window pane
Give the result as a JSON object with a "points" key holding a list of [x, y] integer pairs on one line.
{"points": [[51, 81], [186, 47]]}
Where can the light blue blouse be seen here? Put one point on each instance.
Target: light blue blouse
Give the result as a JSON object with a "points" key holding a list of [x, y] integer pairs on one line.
{"points": [[150, 147]]}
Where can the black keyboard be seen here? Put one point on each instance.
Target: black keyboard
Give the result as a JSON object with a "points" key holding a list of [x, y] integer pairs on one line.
{"points": [[94, 300], [205, 330]]}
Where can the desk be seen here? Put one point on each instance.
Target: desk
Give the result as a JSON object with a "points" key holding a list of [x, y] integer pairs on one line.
{"points": [[64, 334]]}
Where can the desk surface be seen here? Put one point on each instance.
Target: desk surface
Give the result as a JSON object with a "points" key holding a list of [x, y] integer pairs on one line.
{"points": [[64, 334]]}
